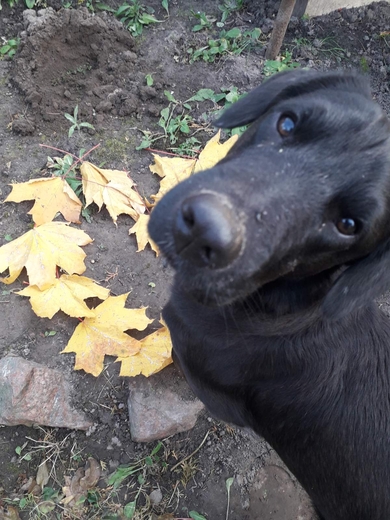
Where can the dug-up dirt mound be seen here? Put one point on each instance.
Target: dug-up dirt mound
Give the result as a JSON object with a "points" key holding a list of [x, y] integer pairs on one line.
{"points": [[70, 58]]}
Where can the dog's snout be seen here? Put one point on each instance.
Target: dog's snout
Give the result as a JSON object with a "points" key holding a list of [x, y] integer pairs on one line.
{"points": [[207, 232]]}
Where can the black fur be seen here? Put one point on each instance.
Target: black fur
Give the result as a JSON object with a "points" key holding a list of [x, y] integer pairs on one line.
{"points": [[271, 312]]}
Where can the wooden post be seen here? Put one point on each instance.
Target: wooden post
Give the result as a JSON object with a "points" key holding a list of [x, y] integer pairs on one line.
{"points": [[279, 30], [300, 8]]}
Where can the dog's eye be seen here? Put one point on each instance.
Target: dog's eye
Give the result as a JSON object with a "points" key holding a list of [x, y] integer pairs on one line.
{"points": [[347, 226], [286, 125]]}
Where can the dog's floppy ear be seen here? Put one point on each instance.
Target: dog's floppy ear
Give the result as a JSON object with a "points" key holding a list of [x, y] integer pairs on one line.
{"points": [[360, 283], [287, 85]]}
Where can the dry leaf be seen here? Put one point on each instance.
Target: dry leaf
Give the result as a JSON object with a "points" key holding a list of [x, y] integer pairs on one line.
{"points": [[8, 512], [113, 188], [153, 356], [103, 334], [41, 250], [51, 196], [66, 294], [76, 488], [173, 170], [42, 477], [214, 152], [140, 229]]}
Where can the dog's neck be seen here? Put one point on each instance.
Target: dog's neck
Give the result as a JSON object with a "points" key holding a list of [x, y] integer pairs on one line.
{"points": [[288, 306]]}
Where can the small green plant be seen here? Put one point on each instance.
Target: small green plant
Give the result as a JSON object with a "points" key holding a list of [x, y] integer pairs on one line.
{"points": [[234, 41], [196, 516], [75, 123], [204, 21], [229, 483], [149, 80], [18, 451], [284, 63], [138, 468], [228, 7], [364, 67], [9, 47], [135, 17], [11, 3], [189, 147], [165, 4], [66, 167], [174, 125]]}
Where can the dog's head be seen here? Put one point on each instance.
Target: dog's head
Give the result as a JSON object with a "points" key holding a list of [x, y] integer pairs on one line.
{"points": [[305, 189]]}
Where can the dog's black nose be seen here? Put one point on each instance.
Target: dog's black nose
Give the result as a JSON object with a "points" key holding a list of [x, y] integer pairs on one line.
{"points": [[207, 233]]}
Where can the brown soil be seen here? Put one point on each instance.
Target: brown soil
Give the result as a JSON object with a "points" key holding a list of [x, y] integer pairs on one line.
{"points": [[70, 57]]}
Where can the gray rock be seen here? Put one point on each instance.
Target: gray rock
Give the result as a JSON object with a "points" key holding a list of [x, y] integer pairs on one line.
{"points": [[160, 406], [31, 393]]}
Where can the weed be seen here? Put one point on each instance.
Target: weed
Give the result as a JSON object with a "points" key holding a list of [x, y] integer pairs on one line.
{"points": [[171, 124], [364, 67], [165, 4], [75, 123], [330, 47], [9, 47], [149, 80], [18, 451], [228, 96], [229, 483], [204, 21], [234, 41], [139, 468], [190, 147], [66, 167], [11, 3], [228, 7], [196, 516], [327, 46], [174, 125], [284, 63], [135, 16]]}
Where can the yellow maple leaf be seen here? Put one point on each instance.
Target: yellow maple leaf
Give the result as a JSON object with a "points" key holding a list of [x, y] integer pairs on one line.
{"points": [[172, 170], [103, 334], [140, 229], [41, 250], [214, 152], [176, 169], [113, 188], [66, 294], [153, 356], [51, 196]]}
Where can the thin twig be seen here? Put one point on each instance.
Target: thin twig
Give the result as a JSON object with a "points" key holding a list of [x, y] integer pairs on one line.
{"points": [[193, 453]]}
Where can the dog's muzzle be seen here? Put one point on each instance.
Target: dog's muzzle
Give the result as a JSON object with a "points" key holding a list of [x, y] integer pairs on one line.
{"points": [[206, 231]]}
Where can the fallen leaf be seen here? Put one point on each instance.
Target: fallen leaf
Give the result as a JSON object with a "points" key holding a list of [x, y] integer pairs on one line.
{"points": [[51, 196], [214, 152], [172, 170], [114, 188], [8, 512], [140, 229], [43, 476], [66, 294], [76, 488], [104, 334], [153, 356], [41, 250], [176, 169]]}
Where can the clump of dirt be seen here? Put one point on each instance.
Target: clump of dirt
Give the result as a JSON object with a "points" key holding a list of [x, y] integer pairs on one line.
{"points": [[71, 57]]}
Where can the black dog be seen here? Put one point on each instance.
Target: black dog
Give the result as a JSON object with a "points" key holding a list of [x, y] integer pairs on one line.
{"points": [[279, 251]]}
